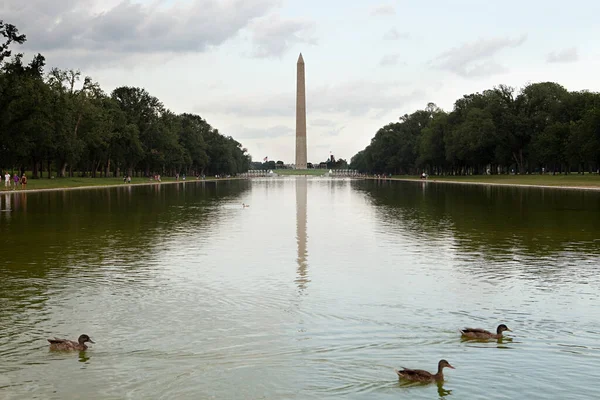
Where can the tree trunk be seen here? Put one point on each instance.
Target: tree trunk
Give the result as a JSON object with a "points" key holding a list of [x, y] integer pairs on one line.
{"points": [[34, 172], [49, 170], [63, 169], [97, 166], [77, 125], [520, 162]]}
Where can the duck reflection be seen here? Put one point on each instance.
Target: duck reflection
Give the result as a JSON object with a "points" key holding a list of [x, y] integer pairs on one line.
{"points": [[501, 343], [83, 357], [442, 392], [301, 235]]}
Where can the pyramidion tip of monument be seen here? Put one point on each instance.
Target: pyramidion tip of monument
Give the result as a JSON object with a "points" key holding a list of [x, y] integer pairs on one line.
{"points": [[300, 59]]}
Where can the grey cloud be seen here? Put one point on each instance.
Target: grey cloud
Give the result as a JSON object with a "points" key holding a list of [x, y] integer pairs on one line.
{"points": [[394, 34], [321, 123], [333, 132], [273, 35], [361, 97], [253, 133], [389, 59], [563, 56], [383, 10], [282, 104], [476, 58], [325, 146], [354, 98], [329, 127], [129, 27]]}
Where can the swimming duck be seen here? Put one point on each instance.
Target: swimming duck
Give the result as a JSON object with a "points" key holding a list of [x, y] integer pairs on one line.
{"points": [[65, 344], [478, 333], [420, 375]]}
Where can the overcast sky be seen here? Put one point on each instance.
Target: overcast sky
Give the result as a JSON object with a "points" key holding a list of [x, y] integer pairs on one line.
{"points": [[367, 62]]}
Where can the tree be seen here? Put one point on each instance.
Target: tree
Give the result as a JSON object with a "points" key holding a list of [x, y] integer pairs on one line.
{"points": [[432, 151], [358, 162], [72, 110], [144, 111], [11, 35], [543, 126], [583, 143], [538, 106], [549, 145], [24, 122], [471, 143], [64, 121], [192, 132]]}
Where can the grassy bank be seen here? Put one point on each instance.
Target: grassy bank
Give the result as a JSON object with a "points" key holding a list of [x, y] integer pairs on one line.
{"points": [[70, 183], [571, 180]]}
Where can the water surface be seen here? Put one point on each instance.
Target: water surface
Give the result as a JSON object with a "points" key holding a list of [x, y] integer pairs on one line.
{"points": [[318, 290]]}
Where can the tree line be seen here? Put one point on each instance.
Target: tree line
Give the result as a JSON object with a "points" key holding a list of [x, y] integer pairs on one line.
{"points": [[543, 127], [63, 124], [330, 163]]}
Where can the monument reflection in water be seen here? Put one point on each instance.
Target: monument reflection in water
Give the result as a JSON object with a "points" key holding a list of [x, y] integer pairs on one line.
{"points": [[301, 235]]}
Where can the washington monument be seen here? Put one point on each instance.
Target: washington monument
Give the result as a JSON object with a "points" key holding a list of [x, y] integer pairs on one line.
{"points": [[300, 115]]}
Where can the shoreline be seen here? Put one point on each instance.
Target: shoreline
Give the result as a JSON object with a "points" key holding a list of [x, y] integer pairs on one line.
{"points": [[455, 182], [2, 192], [524, 185]]}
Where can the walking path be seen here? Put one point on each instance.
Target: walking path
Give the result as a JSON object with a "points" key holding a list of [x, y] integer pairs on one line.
{"points": [[3, 190]]}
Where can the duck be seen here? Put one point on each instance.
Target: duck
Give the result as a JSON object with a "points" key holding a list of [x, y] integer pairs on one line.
{"points": [[420, 375], [478, 333], [245, 205], [65, 344]]}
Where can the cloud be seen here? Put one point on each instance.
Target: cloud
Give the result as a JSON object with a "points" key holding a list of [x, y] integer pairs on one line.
{"points": [[124, 28], [563, 56], [279, 104], [333, 132], [355, 98], [361, 97], [321, 123], [383, 10], [272, 132], [475, 59], [389, 59], [273, 35], [394, 34]]}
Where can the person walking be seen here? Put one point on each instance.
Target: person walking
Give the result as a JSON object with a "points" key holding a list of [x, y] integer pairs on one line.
{"points": [[24, 182], [16, 179], [7, 180]]}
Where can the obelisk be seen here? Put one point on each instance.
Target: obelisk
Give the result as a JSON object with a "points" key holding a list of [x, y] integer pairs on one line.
{"points": [[300, 115]]}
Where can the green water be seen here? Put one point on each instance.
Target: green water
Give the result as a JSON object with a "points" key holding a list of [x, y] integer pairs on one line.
{"points": [[319, 289]]}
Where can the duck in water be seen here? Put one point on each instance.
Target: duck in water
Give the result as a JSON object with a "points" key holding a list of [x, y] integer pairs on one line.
{"points": [[478, 333], [419, 375], [65, 344], [245, 205]]}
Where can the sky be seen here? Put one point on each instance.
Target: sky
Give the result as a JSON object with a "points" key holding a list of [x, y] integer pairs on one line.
{"points": [[233, 62]]}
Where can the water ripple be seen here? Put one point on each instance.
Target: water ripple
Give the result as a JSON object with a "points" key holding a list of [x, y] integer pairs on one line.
{"points": [[319, 290]]}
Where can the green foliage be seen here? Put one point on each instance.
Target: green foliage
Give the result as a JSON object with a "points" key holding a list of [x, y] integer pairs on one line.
{"points": [[56, 121], [544, 126], [10, 34]]}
